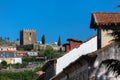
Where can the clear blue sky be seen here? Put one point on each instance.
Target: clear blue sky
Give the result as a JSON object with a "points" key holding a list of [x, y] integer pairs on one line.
{"points": [[67, 18]]}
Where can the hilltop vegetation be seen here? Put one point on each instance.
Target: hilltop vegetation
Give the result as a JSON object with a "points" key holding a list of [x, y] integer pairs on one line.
{"points": [[23, 75], [6, 41]]}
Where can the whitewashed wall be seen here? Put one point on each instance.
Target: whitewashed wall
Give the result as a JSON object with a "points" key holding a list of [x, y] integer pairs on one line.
{"points": [[17, 60], [32, 53], [101, 73], [87, 47]]}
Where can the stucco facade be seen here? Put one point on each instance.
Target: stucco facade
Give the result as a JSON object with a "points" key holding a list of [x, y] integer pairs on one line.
{"points": [[74, 71], [87, 47], [7, 48], [106, 38], [100, 72]]}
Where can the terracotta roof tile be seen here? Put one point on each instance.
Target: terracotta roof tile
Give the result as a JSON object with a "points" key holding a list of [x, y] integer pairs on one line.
{"points": [[105, 19], [72, 39], [39, 73], [66, 44]]}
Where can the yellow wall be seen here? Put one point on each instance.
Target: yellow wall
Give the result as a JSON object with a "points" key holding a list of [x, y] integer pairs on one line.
{"points": [[9, 60], [105, 38], [12, 49]]}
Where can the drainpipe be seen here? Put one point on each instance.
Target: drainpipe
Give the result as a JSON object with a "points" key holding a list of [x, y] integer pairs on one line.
{"points": [[99, 38]]}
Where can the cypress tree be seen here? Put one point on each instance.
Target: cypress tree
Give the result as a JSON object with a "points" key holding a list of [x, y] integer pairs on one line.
{"points": [[59, 41], [43, 39]]}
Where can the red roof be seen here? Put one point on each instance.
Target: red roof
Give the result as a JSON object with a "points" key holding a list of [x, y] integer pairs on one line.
{"points": [[71, 39], [39, 73], [105, 19], [66, 44], [7, 51]]}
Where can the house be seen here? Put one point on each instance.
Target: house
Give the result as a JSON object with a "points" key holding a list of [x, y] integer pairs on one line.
{"points": [[103, 22], [88, 46], [67, 66], [98, 72], [87, 67], [73, 43], [67, 47], [9, 54], [10, 57], [32, 53], [77, 70], [21, 53], [7, 48]]}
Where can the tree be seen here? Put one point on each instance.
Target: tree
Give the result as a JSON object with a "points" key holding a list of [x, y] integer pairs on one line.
{"points": [[59, 41], [116, 34], [4, 64], [43, 39], [8, 38], [49, 52], [38, 47], [17, 65], [0, 66], [17, 39], [113, 64], [28, 47]]}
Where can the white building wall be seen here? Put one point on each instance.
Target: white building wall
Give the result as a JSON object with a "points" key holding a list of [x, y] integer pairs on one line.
{"points": [[32, 53], [0, 60], [17, 60], [85, 48]]}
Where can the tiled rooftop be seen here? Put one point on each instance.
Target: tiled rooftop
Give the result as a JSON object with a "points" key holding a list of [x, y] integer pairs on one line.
{"points": [[105, 19], [71, 39]]}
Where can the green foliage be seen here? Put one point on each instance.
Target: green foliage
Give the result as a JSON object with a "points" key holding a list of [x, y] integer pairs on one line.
{"points": [[23, 75], [37, 69], [20, 49], [2, 41], [49, 52], [4, 64], [41, 53], [24, 64], [43, 39], [112, 65], [4, 78], [59, 41], [38, 47], [0, 66], [17, 65], [28, 47], [116, 34], [28, 59], [6, 41]]}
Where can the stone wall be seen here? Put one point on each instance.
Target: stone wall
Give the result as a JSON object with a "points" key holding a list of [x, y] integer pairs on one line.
{"points": [[27, 37], [101, 73]]}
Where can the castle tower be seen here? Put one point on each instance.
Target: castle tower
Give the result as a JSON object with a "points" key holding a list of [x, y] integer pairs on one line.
{"points": [[27, 37]]}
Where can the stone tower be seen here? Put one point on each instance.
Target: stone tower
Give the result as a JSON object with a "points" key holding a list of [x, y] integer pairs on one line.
{"points": [[27, 37]]}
